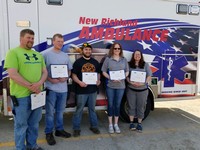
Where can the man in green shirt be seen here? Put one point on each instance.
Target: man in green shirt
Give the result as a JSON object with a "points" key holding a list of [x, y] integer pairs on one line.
{"points": [[27, 71]]}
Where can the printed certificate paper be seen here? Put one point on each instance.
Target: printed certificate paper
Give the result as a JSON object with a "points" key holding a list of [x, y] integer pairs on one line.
{"points": [[117, 75], [89, 78], [38, 100], [59, 71], [138, 76]]}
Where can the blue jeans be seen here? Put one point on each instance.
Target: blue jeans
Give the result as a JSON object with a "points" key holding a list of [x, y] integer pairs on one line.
{"points": [[26, 124], [81, 100], [55, 102], [114, 100]]}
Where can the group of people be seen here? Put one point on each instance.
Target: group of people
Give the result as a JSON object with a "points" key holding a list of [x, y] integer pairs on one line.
{"points": [[136, 91], [31, 72]]}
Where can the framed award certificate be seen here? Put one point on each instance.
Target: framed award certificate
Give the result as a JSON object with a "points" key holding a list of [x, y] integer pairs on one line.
{"points": [[90, 78], [59, 71], [38, 100], [138, 76], [117, 75]]}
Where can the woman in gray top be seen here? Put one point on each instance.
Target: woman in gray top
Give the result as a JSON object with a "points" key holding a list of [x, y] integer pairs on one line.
{"points": [[137, 90], [114, 64]]}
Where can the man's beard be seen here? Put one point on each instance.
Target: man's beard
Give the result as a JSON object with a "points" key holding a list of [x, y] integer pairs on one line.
{"points": [[29, 45], [87, 56]]}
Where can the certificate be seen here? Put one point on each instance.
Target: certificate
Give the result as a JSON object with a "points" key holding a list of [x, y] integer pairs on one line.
{"points": [[138, 76], [89, 77], [117, 75], [38, 100], [59, 71]]}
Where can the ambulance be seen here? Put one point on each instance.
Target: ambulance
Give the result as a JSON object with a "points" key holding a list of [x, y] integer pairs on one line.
{"points": [[166, 31]]}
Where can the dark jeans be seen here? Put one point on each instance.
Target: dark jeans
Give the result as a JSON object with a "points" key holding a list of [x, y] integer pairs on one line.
{"points": [[82, 99]]}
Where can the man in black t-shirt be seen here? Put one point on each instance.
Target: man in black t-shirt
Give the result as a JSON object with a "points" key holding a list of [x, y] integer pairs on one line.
{"points": [[86, 90]]}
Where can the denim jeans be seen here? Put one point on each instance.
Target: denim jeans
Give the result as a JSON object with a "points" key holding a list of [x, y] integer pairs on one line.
{"points": [[55, 103], [26, 124], [114, 100], [90, 100]]}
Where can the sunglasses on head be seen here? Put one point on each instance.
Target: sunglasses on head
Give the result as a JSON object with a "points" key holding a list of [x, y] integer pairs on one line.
{"points": [[86, 44]]}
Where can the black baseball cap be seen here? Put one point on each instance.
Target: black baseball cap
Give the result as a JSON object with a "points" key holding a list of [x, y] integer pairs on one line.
{"points": [[86, 45]]}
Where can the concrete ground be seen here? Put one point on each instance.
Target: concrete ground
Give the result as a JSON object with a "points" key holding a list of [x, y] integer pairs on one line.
{"points": [[173, 125]]}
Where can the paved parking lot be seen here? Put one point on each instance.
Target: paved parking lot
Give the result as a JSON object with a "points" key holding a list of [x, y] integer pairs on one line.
{"points": [[173, 125]]}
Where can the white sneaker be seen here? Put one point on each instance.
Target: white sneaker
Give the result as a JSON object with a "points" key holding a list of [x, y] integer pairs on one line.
{"points": [[117, 129], [110, 129]]}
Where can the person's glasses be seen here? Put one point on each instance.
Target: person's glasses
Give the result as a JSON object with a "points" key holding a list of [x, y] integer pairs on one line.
{"points": [[117, 48]]}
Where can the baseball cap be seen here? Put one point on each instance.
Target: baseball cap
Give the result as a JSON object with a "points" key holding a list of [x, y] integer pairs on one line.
{"points": [[86, 45]]}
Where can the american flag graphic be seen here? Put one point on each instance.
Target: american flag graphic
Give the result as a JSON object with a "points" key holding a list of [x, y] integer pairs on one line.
{"points": [[169, 59]]}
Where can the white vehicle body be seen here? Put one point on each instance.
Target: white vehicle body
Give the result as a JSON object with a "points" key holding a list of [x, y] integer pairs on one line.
{"points": [[165, 31]]}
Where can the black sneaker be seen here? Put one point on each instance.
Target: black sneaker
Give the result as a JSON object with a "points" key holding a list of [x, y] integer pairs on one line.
{"points": [[50, 139], [139, 127], [132, 127], [76, 133], [36, 148], [62, 133], [95, 130]]}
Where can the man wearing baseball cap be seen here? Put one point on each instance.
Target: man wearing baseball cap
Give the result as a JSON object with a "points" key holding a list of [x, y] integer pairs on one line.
{"points": [[86, 92]]}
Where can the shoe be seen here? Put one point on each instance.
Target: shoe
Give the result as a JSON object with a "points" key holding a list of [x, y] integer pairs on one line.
{"points": [[132, 127], [50, 139], [116, 127], [139, 127], [76, 133], [95, 130], [110, 129], [62, 133], [36, 148]]}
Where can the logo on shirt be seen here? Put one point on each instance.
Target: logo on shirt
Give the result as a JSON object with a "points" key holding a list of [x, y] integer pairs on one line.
{"points": [[29, 57], [88, 67]]}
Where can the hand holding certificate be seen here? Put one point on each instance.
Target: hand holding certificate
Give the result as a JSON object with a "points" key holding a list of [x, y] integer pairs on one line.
{"points": [[59, 71], [38, 100], [138, 76], [89, 78], [117, 75]]}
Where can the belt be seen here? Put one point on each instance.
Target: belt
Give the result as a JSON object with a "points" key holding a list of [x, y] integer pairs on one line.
{"points": [[138, 90]]}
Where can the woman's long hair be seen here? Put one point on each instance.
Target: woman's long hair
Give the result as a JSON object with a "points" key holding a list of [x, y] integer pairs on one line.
{"points": [[111, 51], [141, 62]]}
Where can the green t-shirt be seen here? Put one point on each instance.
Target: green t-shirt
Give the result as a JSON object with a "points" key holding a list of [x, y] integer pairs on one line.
{"points": [[29, 64]]}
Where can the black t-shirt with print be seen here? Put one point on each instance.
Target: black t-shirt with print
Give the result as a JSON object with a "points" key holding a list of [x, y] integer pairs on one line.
{"points": [[84, 65]]}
